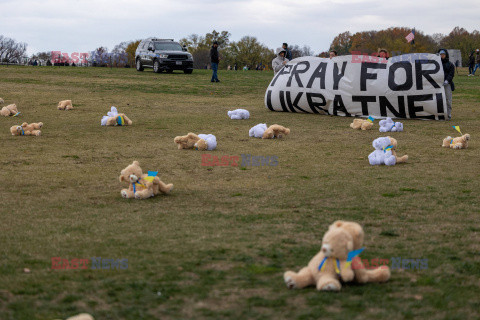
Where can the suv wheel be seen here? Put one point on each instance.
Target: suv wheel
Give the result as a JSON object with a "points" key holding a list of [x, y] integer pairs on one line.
{"points": [[139, 65], [188, 71], [156, 66]]}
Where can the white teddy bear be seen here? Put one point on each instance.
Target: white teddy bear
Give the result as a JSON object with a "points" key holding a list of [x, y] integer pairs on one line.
{"points": [[210, 140], [258, 130], [239, 114], [390, 125], [383, 153]]}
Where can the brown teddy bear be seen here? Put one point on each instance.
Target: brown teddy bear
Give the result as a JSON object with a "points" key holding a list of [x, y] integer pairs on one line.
{"points": [[331, 264], [10, 110], [361, 124], [142, 186], [198, 142], [456, 143], [275, 131], [32, 129], [65, 105]]}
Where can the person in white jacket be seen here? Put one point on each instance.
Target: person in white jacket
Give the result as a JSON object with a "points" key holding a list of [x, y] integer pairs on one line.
{"points": [[279, 60]]}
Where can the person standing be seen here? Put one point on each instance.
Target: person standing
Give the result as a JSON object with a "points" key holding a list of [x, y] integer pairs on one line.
{"points": [[288, 53], [449, 71], [279, 61], [471, 63], [214, 60], [477, 62]]}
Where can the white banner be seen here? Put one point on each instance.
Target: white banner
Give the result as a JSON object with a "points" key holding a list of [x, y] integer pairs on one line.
{"points": [[406, 86]]}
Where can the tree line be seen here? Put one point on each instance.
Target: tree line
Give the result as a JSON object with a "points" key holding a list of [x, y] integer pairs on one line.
{"points": [[393, 40], [248, 51]]}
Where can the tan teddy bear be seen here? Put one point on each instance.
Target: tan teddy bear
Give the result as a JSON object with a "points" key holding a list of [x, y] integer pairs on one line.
{"points": [[330, 265], [275, 131], [456, 143], [142, 186], [362, 274], [65, 105], [26, 129], [186, 142], [200, 142], [361, 124], [394, 143], [10, 110]]}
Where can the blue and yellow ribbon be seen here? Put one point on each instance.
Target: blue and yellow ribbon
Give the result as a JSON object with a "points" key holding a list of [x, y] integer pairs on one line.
{"points": [[120, 121], [322, 265], [371, 119], [387, 148]]}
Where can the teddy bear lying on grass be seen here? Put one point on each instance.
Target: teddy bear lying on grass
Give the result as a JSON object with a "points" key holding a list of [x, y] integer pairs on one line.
{"points": [[142, 186], [32, 129], [113, 118], [65, 105], [198, 142], [456, 143]]}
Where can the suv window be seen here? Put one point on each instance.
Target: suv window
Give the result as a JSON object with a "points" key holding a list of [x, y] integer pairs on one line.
{"points": [[168, 46]]}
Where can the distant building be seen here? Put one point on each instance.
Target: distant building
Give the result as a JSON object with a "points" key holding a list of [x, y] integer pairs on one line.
{"points": [[454, 56]]}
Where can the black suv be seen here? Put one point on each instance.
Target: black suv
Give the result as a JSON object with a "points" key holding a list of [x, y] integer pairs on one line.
{"points": [[163, 55]]}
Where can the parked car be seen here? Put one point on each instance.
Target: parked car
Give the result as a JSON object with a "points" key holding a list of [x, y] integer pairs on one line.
{"points": [[163, 55]]}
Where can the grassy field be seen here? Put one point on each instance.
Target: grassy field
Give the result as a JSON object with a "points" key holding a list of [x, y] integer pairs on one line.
{"points": [[217, 246]]}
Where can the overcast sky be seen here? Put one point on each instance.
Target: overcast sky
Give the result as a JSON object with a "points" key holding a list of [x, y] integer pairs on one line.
{"points": [[82, 26]]}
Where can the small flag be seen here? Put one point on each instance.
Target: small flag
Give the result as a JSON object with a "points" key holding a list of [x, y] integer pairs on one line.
{"points": [[351, 255], [371, 119], [458, 129], [387, 148], [411, 36], [17, 114], [151, 176]]}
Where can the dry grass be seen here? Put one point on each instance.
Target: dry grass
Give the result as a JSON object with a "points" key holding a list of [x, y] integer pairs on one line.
{"points": [[218, 245]]}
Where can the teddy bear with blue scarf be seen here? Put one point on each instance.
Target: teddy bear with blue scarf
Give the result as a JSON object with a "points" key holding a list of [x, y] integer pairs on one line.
{"points": [[141, 185], [341, 246], [385, 152]]}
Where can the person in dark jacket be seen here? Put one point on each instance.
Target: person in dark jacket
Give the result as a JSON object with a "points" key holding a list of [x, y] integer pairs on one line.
{"points": [[214, 59], [471, 63], [477, 62], [288, 53], [449, 71]]}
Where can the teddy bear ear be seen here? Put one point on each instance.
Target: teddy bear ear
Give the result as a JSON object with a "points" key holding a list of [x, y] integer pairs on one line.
{"points": [[136, 163], [338, 223], [121, 178]]}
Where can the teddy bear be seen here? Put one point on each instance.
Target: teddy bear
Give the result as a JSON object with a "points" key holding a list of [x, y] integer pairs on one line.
{"points": [[65, 105], [385, 152], [456, 143], [32, 129], [113, 118], [362, 274], [239, 114], [361, 124], [142, 186], [10, 110], [198, 142], [333, 262], [275, 131], [1, 101], [389, 125], [258, 130]]}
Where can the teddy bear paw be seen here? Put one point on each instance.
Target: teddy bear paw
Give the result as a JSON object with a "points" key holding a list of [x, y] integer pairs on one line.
{"points": [[124, 194], [330, 286], [290, 283], [137, 196]]}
